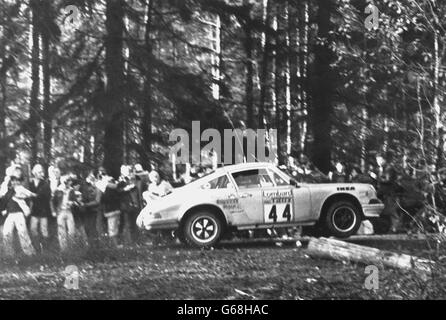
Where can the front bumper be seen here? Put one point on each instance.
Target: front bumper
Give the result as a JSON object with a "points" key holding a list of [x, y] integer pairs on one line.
{"points": [[373, 210]]}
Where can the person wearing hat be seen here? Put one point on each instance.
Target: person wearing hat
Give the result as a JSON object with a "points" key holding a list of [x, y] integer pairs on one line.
{"points": [[15, 209]]}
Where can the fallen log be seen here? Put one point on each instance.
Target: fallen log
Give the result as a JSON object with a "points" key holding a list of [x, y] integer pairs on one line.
{"points": [[344, 251]]}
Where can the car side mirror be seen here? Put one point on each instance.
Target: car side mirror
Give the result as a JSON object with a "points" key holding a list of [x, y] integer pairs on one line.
{"points": [[294, 183]]}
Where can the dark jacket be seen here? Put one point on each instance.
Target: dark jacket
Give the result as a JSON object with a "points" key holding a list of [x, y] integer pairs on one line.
{"points": [[8, 204], [40, 206], [91, 197], [111, 200], [129, 195], [58, 197]]}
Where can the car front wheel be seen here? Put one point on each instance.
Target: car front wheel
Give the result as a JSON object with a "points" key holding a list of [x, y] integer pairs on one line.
{"points": [[202, 229], [343, 219]]}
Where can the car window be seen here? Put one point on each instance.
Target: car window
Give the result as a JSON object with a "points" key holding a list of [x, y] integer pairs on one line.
{"points": [[217, 183], [255, 178], [278, 180]]}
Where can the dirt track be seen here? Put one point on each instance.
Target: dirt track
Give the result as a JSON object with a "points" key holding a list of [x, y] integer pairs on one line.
{"points": [[259, 270]]}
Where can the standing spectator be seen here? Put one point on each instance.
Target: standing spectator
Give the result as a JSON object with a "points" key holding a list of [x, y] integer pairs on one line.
{"points": [[157, 188], [54, 178], [91, 199], [64, 199], [141, 182], [389, 191], [41, 207], [78, 213], [111, 204], [129, 204], [338, 175], [14, 207]]}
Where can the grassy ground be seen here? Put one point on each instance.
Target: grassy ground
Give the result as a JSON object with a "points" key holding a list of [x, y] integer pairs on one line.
{"points": [[233, 271]]}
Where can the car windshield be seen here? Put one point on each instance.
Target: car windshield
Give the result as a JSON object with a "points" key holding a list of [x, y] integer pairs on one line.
{"points": [[285, 174], [280, 180]]}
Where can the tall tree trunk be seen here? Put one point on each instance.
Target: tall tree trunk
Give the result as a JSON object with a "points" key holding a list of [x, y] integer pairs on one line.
{"points": [[47, 112], [249, 90], [266, 39], [3, 105], [363, 138], [34, 112], [293, 33], [147, 105], [114, 68], [6, 64], [275, 79], [438, 133], [303, 74], [322, 92], [249, 80], [288, 85], [216, 58]]}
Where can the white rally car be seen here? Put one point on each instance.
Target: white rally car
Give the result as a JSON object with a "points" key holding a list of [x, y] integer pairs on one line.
{"points": [[258, 195]]}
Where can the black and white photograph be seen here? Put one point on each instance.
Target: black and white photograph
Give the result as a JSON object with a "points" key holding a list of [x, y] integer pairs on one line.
{"points": [[239, 152]]}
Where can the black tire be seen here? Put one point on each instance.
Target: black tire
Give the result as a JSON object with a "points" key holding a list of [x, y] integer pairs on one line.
{"points": [[342, 219], [202, 229]]}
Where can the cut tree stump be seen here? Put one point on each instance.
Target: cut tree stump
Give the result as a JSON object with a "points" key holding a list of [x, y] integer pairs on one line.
{"points": [[344, 251]]}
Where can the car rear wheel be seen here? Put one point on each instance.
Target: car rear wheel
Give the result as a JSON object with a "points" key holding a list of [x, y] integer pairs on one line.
{"points": [[343, 219], [202, 229]]}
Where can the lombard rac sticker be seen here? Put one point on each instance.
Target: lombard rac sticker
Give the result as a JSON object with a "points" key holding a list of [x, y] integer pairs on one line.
{"points": [[278, 206]]}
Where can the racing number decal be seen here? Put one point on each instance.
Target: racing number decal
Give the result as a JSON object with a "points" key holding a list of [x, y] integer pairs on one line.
{"points": [[272, 214], [278, 206], [286, 215]]}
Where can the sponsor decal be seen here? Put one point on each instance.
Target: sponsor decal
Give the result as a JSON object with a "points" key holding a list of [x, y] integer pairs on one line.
{"points": [[232, 205], [278, 206], [346, 188]]}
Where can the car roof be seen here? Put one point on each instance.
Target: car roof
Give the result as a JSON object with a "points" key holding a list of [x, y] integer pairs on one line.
{"points": [[231, 168], [244, 166]]}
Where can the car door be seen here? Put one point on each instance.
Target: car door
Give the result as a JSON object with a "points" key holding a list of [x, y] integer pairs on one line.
{"points": [[249, 184], [301, 198]]}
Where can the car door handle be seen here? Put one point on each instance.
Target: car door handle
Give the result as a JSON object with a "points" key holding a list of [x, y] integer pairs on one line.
{"points": [[246, 195]]}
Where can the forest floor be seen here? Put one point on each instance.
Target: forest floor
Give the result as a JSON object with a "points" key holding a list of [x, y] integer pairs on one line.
{"points": [[234, 270]]}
